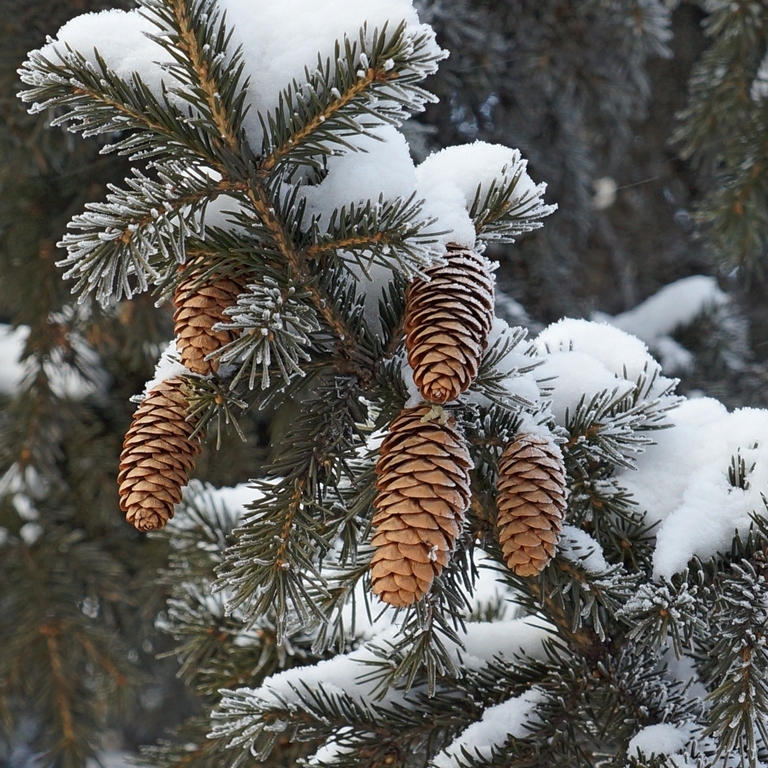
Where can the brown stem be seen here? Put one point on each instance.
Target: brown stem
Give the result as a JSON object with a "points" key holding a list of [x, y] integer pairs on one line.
{"points": [[50, 633]]}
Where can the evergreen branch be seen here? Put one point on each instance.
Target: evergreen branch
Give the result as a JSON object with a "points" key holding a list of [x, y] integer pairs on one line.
{"points": [[425, 651], [501, 213], [657, 613], [345, 340], [61, 687], [272, 565], [385, 233], [117, 248], [275, 324], [365, 85], [610, 427], [739, 712], [501, 363], [96, 101], [359, 729], [211, 77]]}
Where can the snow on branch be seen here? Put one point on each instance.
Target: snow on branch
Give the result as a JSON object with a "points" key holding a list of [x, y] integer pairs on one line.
{"points": [[366, 83], [502, 200], [137, 237]]}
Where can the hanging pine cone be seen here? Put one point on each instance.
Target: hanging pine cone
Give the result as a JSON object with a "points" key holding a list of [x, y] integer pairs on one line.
{"points": [[530, 502], [423, 485], [198, 309], [447, 321], [158, 454]]}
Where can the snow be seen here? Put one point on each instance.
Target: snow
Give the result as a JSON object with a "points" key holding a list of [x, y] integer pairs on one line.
{"points": [[352, 179], [483, 640], [445, 203], [497, 724], [569, 377], [584, 358], [279, 40], [621, 353], [682, 481], [463, 170], [450, 179], [659, 739], [121, 40], [12, 371], [674, 306], [580, 548], [348, 673], [168, 367]]}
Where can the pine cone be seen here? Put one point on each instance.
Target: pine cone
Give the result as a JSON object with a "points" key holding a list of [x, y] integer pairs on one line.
{"points": [[530, 502], [447, 321], [198, 309], [423, 484], [158, 454]]}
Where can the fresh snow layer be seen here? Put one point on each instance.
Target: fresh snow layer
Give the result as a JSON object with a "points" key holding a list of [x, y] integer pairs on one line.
{"points": [[496, 726], [674, 306], [346, 673], [279, 41], [469, 167], [120, 38], [682, 481], [382, 167], [584, 358], [622, 354], [580, 548], [168, 367], [660, 739]]}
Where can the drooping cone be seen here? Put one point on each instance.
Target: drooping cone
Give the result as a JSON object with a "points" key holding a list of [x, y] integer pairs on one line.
{"points": [[530, 503], [158, 454], [447, 321], [198, 309], [423, 485]]}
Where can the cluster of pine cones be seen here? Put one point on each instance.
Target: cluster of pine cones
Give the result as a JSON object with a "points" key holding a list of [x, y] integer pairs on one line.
{"points": [[424, 465], [161, 445]]}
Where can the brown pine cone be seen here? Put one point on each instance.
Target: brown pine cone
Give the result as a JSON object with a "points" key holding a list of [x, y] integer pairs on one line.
{"points": [[423, 485], [158, 455], [531, 503], [447, 321], [198, 309]]}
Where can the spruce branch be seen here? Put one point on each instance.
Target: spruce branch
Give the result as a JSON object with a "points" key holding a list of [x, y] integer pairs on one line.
{"points": [[659, 613], [739, 711], [211, 77], [119, 247], [275, 324], [365, 85], [96, 101], [385, 233], [501, 213], [611, 426]]}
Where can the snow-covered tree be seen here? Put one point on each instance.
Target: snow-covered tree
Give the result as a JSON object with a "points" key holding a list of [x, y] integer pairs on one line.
{"points": [[468, 547]]}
